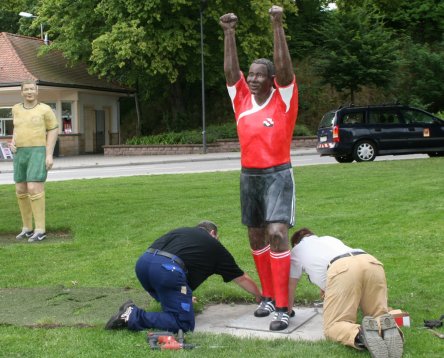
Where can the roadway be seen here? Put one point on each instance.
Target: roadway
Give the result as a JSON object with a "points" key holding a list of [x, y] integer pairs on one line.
{"points": [[96, 166]]}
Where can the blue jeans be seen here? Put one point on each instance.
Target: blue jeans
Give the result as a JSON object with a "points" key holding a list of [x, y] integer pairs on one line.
{"points": [[167, 283]]}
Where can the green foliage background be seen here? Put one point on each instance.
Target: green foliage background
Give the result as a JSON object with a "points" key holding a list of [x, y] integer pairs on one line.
{"points": [[364, 52]]}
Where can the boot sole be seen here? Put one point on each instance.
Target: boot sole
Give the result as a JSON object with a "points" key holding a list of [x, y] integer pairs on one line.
{"points": [[372, 340], [392, 337]]}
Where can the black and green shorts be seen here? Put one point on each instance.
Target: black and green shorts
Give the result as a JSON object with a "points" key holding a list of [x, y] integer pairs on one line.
{"points": [[30, 164], [267, 196]]}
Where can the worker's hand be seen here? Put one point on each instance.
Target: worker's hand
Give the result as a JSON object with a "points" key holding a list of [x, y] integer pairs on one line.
{"points": [[228, 21], [12, 146], [276, 13], [49, 161], [194, 299]]}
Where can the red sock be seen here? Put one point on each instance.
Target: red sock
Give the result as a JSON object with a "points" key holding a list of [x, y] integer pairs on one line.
{"points": [[280, 270], [262, 261]]}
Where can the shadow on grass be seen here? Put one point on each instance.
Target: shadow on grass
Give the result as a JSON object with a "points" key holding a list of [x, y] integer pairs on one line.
{"points": [[53, 307], [54, 236]]}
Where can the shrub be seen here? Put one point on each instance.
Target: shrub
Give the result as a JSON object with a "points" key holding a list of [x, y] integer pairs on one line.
{"points": [[213, 133]]}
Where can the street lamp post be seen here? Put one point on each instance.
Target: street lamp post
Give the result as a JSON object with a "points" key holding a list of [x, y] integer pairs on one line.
{"points": [[28, 15], [203, 4]]}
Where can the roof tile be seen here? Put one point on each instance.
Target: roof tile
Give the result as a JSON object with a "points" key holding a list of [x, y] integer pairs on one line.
{"points": [[19, 60]]}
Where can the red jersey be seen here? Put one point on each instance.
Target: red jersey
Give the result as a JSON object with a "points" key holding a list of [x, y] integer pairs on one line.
{"points": [[265, 132]]}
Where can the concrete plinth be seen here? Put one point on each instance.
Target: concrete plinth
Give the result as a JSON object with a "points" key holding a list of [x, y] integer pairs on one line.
{"points": [[238, 320]]}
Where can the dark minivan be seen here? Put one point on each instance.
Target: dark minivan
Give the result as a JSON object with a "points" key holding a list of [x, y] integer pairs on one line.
{"points": [[363, 132]]}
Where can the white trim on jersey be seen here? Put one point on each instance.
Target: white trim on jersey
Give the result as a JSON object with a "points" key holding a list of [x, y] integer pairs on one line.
{"points": [[232, 91], [287, 94], [256, 107]]}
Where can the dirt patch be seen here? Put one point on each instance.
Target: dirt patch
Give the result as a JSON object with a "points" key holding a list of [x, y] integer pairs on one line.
{"points": [[53, 236], [52, 307]]}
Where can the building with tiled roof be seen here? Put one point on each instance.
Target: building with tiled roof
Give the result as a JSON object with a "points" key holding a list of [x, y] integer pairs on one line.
{"points": [[87, 107]]}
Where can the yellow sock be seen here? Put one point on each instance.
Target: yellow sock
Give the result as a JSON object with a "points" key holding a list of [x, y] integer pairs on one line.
{"points": [[25, 210], [38, 209]]}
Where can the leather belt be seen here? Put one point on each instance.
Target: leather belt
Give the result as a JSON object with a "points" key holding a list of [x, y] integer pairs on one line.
{"points": [[175, 258], [348, 254]]}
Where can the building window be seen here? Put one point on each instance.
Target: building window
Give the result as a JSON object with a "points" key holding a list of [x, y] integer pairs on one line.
{"points": [[67, 117], [6, 125]]}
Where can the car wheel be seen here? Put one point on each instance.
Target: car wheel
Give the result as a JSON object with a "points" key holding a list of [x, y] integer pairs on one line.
{"points": [[436, 154], [344, 159], [364, 151]]}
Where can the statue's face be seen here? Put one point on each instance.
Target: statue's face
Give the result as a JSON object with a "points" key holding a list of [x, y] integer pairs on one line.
{"points": [[29, 92], [259, 82]]}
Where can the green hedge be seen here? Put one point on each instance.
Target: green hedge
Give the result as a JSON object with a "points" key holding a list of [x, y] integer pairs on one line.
{"points": [[213, 132]]}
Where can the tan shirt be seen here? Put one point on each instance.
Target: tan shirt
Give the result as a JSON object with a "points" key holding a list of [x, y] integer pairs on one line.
{"points": [[31, 125]]}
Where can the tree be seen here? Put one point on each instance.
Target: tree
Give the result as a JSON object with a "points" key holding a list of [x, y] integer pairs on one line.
{"points": [[357, 51], [423, 76], [9, 16], [303, 29], [154, 45], [422, 20]]}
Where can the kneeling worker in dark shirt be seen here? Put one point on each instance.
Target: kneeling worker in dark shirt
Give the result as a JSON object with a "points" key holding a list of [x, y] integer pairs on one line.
{"points": [[171, 269]]}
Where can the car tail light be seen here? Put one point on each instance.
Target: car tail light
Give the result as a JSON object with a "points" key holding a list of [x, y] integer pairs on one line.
{"points": [[336, 134]]}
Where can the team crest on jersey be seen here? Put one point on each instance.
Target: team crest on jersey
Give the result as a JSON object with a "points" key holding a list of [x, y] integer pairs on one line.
{"points": [[268, 122]]}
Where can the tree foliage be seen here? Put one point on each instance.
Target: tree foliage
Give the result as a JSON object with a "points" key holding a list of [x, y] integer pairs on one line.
{"points": [[154, 46], [421, 20], [423, 76], [357, 51]]}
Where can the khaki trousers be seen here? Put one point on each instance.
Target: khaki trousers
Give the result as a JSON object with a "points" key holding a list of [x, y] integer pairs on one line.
{"points": [[353, 282]]}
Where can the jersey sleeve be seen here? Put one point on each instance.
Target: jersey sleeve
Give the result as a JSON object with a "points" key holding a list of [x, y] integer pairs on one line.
{"points": [[226, 266], [50, 119], [289, 94], [238, 91], [295, 266]]}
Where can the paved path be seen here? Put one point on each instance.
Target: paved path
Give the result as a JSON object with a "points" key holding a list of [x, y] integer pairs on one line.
{"points": [[97, 160]]}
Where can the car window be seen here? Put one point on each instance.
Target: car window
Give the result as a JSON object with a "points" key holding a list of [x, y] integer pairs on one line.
{"points": [[327, 120], [413, 116], [384, 117], [353, 118]]}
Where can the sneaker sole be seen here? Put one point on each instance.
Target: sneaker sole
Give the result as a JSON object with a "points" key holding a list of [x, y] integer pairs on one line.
{"points": [[392, 337], [37, 239], [110, 324], [24, 236], [262, 313], [372, 340]]}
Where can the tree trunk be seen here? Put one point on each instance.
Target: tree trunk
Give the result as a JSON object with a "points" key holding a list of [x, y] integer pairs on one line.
{"points": [[176, 100], [352, 96]]}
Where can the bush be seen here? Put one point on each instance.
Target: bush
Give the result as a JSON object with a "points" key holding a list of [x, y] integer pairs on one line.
{"points": [[213, 132]]}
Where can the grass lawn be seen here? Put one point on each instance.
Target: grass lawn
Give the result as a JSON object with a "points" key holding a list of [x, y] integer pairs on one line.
{"points": [[392, 209]]}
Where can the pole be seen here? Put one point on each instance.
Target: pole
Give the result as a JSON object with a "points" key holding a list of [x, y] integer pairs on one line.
{"points": [[41, 31], [204, 134]]}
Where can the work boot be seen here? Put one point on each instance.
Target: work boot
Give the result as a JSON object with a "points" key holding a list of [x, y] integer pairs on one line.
{"points": [[369, 335], [120, 319], [265, 307], [391, 336], [280, 320]]}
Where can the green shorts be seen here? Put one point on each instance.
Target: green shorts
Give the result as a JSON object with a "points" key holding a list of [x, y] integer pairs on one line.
{"points": [[30, 165]]}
